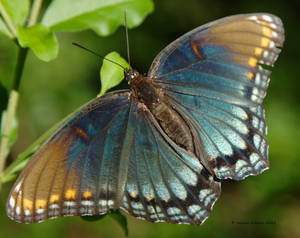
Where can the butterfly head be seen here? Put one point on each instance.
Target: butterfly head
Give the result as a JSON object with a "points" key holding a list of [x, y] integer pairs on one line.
{"points": [[131, 75]]}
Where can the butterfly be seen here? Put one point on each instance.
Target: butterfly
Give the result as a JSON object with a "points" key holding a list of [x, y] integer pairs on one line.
{"points": [[159, 150]]}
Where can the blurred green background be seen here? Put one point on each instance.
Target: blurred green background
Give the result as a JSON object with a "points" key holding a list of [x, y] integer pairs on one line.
{"points": [[50, 91]]}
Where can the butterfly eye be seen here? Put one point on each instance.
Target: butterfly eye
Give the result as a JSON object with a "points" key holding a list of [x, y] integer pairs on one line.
{"points": [[136, 74], [131, 75]]}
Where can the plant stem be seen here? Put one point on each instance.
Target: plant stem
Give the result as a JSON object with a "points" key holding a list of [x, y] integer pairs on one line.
{"points": [[11, 109], [14, 95], [8, 21], [35, 11]]}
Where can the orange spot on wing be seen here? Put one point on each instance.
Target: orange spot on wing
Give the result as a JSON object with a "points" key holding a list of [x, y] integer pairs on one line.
{"points": [[133, 194], [70, 194], [28, 204], [54, 198], [87, 194], [264, 42], [149, 197], [267, 31], [19, 200], [258, 51], [252, 62], [195, 48], [40, 203], [79, 131], [250, 75]]}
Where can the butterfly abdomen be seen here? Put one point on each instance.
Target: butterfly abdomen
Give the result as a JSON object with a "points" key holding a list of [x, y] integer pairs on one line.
{"points": [[153, 97], [173, 125]]}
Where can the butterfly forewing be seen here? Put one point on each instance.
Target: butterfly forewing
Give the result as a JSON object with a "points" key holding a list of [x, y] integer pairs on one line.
{"points": [[213, 73], [81, 169]]}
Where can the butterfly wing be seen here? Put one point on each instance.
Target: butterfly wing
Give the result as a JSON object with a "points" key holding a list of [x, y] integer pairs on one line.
{"points": [[82, 168], [165, 183], [213, 74], [112, 153]]}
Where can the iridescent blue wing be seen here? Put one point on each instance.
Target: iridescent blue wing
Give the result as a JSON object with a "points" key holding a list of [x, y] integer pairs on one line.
{"points": [[82, 168], [113, 154], [214, 75], [165, 183]]}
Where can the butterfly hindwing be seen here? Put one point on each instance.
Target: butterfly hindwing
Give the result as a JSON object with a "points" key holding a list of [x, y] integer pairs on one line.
{"points": [[165, 183], [81, 169], [232, 136], [214, 74]]}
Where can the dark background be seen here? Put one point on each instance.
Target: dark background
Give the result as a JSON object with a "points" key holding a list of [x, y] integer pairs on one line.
{"points": [[50, 91]]}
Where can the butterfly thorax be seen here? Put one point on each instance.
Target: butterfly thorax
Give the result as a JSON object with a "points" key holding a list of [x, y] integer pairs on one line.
{"points": [[146, 91]]}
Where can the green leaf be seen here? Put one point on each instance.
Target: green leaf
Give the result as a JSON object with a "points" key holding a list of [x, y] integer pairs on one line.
{"points": [[111, 74], [12, 174], [41, 40], [121, 219], [12, 137], [4, 30], [114, 214], [104, 17], [17, 10], [8, 178], [93, 218]]}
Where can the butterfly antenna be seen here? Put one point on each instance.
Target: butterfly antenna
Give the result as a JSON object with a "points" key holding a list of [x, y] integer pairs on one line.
{"points": [[82, 47], [127, 40]]}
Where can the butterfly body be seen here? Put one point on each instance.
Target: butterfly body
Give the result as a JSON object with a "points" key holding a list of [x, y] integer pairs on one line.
{"points": [[159, 150], [153, 97]]}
